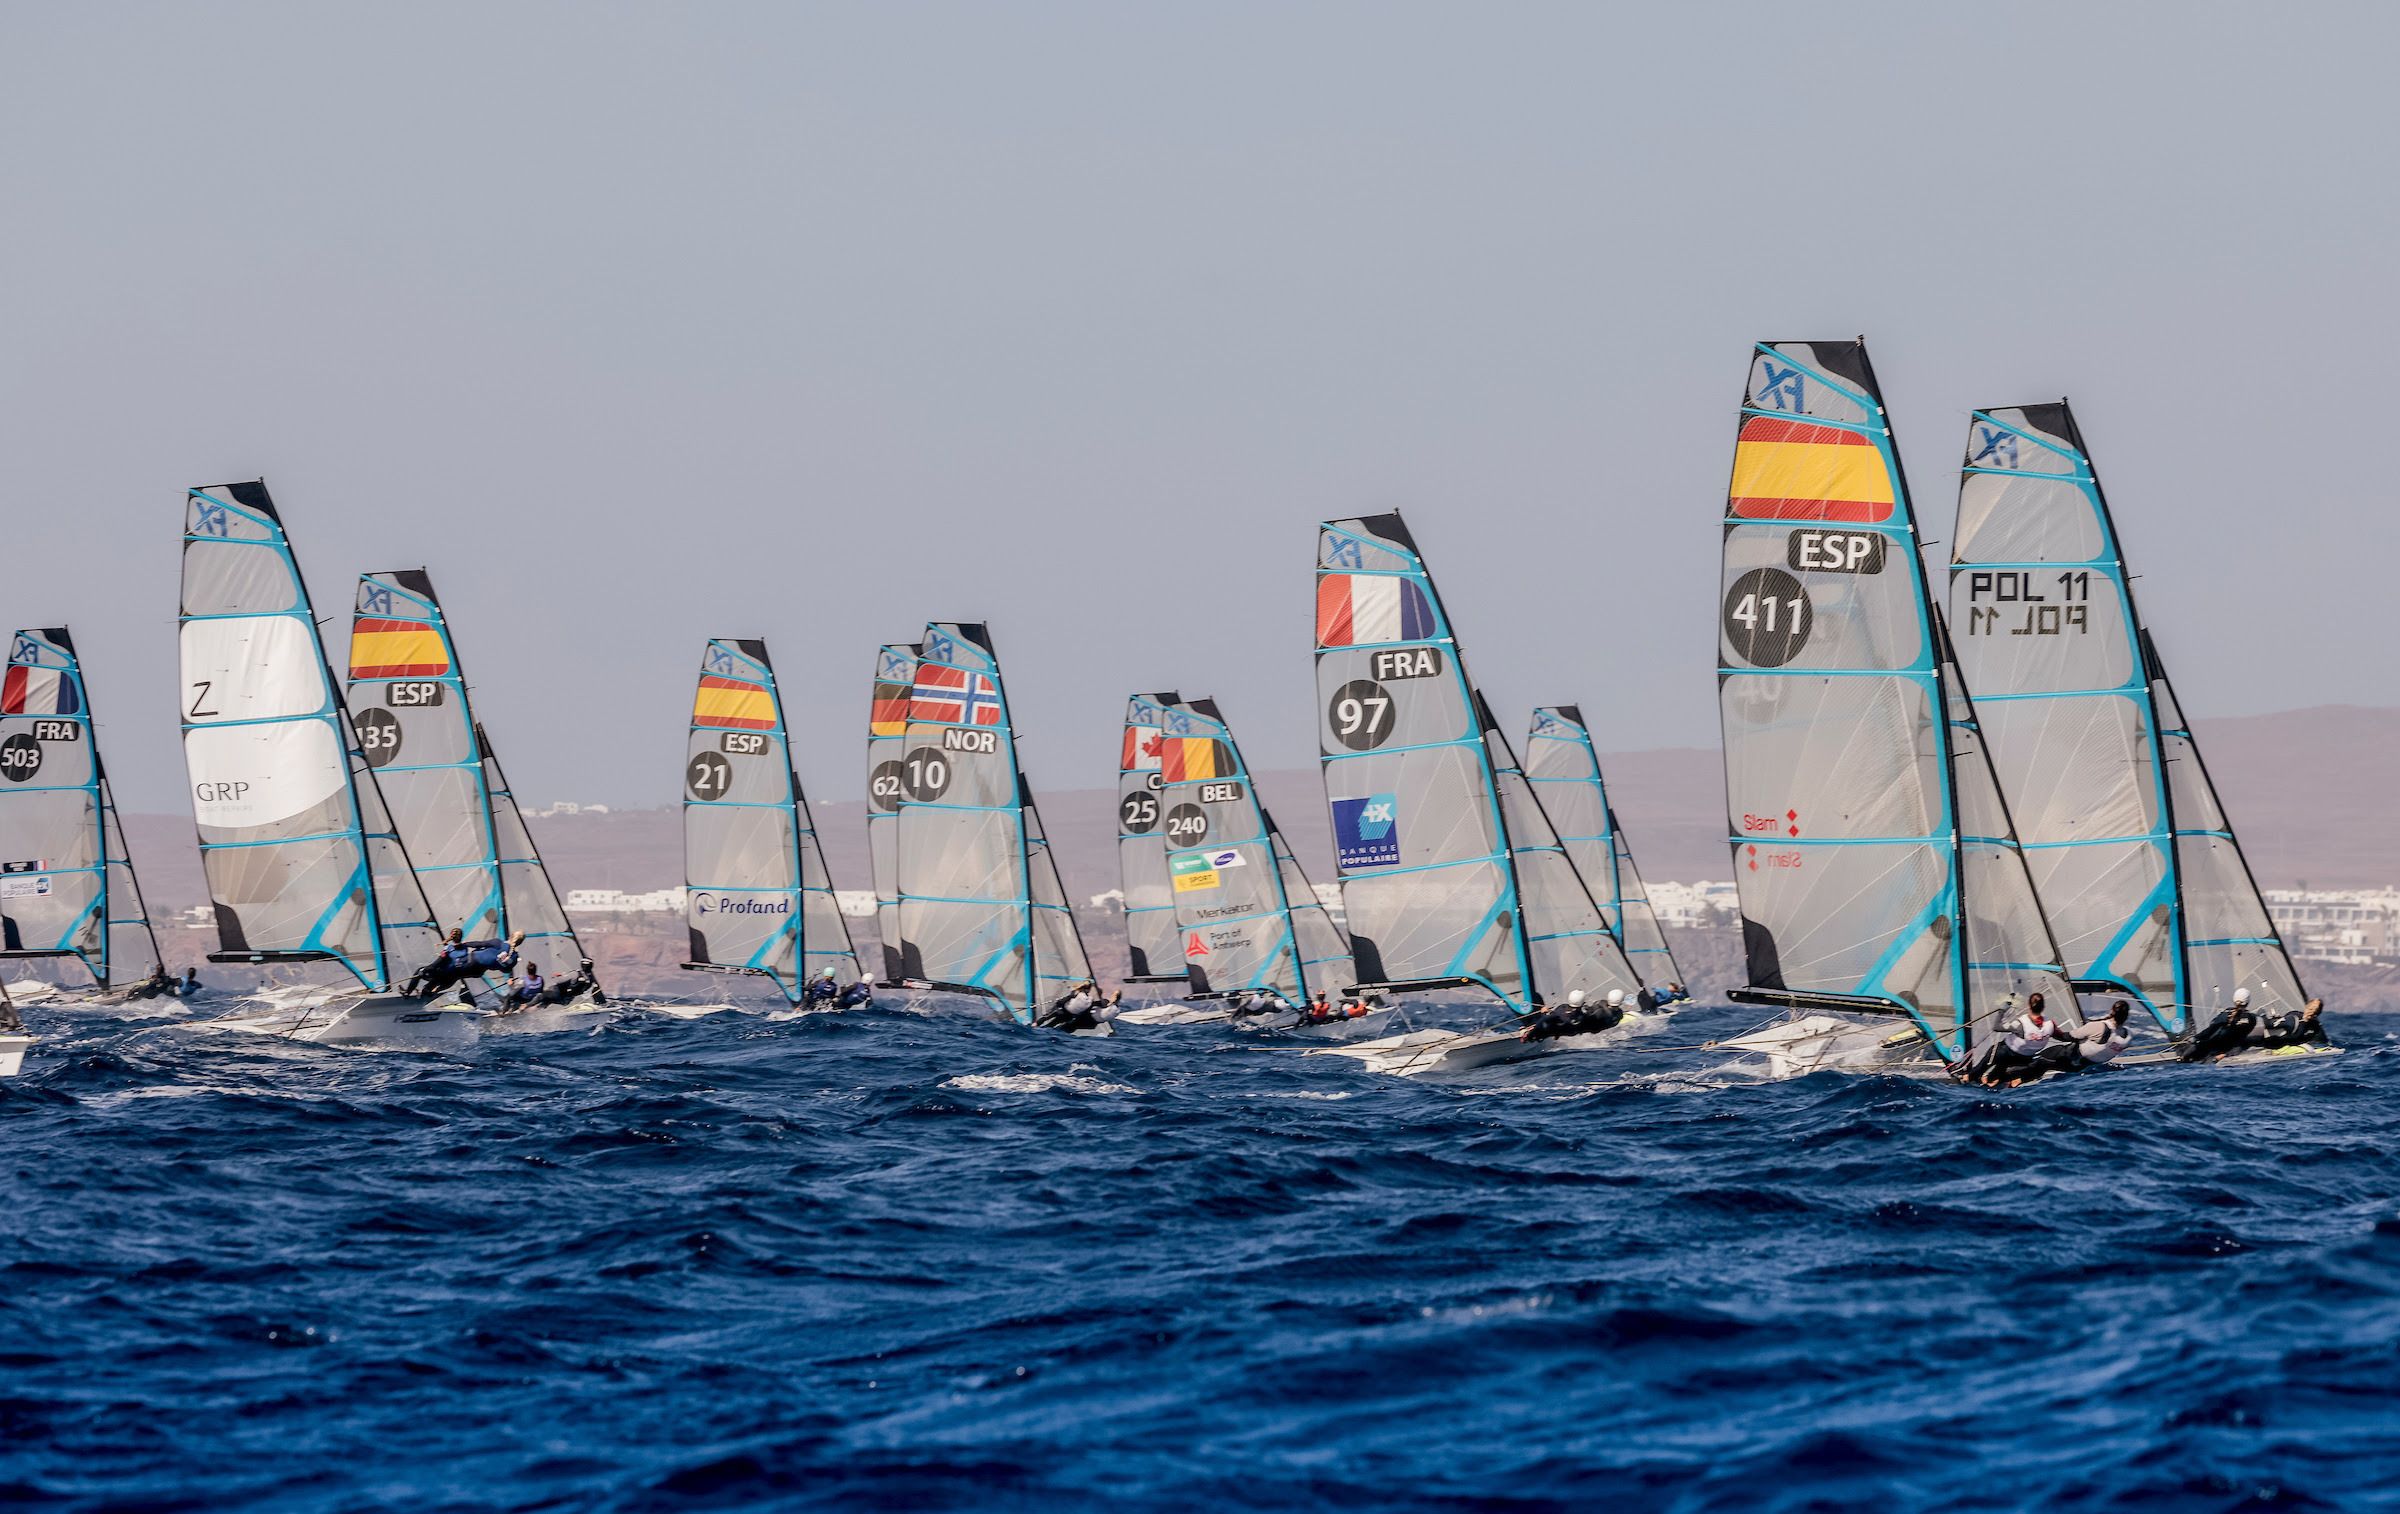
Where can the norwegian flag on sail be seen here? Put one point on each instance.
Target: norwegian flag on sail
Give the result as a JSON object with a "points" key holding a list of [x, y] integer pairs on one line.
{"points": [[953, 696]]}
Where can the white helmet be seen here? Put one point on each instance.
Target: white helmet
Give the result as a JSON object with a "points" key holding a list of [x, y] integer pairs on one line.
{"points": [[2241, 996], [1574, 996], [1616, 996]]}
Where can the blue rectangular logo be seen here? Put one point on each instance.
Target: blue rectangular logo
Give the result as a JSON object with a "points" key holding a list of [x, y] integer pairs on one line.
{"points": [[1366, 832]]}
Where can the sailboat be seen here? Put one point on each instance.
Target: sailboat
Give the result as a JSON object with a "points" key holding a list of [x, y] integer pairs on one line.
{"points": [[14, 1039], [435, 764], [758, 897], [1885, 900], [887, 733], [2136, 864], [67, 887], [982, 910], [1152, 945], [1565, 770], [304, 864], [1241, 917], [1452, 874]]}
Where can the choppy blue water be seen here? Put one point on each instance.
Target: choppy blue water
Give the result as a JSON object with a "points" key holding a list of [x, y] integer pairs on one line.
{"points": [[928, 1262]]}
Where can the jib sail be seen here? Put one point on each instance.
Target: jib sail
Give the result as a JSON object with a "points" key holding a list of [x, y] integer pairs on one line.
{"points": [[530, 900], [1243, 913], [1566, 936], [66, 883], [1151, 941], [967, 856], [887, 730], [1867, 831], [757, 895], [1059, 960], [1427, 880], [302, 859], [2137, 868], [1565, 771]]}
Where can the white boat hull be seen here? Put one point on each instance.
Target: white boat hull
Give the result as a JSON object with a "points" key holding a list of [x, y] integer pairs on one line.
{"points": [[381, 1020], [1416, 1053], [547, 1019], [1837, 1043], [12, 1053]]}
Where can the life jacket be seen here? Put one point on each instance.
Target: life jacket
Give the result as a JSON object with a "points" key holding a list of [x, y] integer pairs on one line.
{"points": [[2030, 1034], [532, 989]]}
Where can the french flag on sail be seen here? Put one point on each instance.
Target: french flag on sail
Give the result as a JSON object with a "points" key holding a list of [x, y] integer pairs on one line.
{"points": [[1367, 609], [39, 691], [953, 696]]}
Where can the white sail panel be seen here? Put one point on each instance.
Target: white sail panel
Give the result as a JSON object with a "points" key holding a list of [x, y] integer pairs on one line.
{"points": [[1152, 943], [1420, 846]]}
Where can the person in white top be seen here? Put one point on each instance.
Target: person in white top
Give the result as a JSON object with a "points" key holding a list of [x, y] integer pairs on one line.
{"points": [[2021, 1041]]}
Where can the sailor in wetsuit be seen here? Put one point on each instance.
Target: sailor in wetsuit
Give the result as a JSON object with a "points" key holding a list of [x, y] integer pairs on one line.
{"points": [[820, 989], [1576, 1017], [448, 966], [856, 994], [190, 985], [581, 981], [2228, 1032], [527, 989], [2020, 1042], [1077, 1011], [156, 985], [1250, 1006], [2302, 1027], [2095, 1043]]}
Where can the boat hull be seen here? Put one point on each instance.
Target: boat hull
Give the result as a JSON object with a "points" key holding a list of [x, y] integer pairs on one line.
{"points": [[12, 1053], [1810, 1043], [379, 1021]]}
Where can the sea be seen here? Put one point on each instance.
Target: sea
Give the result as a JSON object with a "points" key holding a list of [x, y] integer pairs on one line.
{"points": [[919, 1260]]}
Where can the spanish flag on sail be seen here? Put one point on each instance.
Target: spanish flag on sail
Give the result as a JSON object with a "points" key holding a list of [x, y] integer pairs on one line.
{"points": [[1799, 470], [396, 649], [733, 704]]}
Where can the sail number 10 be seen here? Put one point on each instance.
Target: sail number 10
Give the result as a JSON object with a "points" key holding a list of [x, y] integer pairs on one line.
{"points": [[2031, 611]]}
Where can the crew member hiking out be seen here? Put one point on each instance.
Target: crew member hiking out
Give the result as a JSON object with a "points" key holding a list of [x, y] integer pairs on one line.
{"points": [[2304, 1026], [2228, 1032], [2021, 1041]]}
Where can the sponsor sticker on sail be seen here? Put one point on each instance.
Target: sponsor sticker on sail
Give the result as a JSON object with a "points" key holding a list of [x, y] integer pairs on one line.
{"points": [[25, 880], [1366, 832], [1191, 871]]}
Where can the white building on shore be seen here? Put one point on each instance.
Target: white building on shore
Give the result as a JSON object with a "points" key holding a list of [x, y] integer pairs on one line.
{"points": [[2359, 927]]}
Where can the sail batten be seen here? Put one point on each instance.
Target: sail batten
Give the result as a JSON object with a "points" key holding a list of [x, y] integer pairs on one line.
{"points": [[757, 896], [1873, 857], [67, 886], [2128, 846], [302, 858], [1240, 906]]}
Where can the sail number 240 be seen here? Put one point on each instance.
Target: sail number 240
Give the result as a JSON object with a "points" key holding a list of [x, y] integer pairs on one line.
{"points": [[2030, 611]]}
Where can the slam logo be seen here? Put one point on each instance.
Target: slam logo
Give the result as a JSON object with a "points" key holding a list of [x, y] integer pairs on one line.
{"points": [[704, 905], [1366, 832]]}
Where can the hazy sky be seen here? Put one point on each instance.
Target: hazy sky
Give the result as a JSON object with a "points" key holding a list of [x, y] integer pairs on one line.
{"points": [[642, 324]]}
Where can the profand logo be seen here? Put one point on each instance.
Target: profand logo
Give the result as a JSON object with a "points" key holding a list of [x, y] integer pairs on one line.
{"points": [[739, 904]]}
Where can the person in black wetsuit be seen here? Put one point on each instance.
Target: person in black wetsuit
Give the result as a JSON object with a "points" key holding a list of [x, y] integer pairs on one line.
{"points": [[2302, 1027], [581, 981], [2233, 1026], [1576, 1017], [855, 995], [157, 985], [820, 989], [2095, 1043], [448, 966]]}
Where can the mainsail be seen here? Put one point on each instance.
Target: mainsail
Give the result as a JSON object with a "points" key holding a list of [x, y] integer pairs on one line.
{"points": [[1243, 912], [1427, 879], [530, 900], [1142, 840], [981, 908], [1565, 771], [302, 859], [2136, 865], [887, 731], [1567, 937], [66, 883], [408, 701], [1876, 864], [758, 897]]}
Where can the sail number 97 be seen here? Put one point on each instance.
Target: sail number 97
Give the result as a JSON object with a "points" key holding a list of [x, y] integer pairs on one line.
{"points": [[1360, 714], [2063, 608], [1767, 617]]}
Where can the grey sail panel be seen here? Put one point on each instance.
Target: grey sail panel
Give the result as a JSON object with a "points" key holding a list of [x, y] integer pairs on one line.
{"points": [[2043, 616], [1564, 769], [887, 730], [1420, 846], [1325, 965], [1241, 928], [408, 702], [1567, 937], [132, 942], [744, 897], [2229, 941], [301, 858], [54, 853], [1060, 963], [1838, 725], [966, 911], [1152, 942], [532, 902]]}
